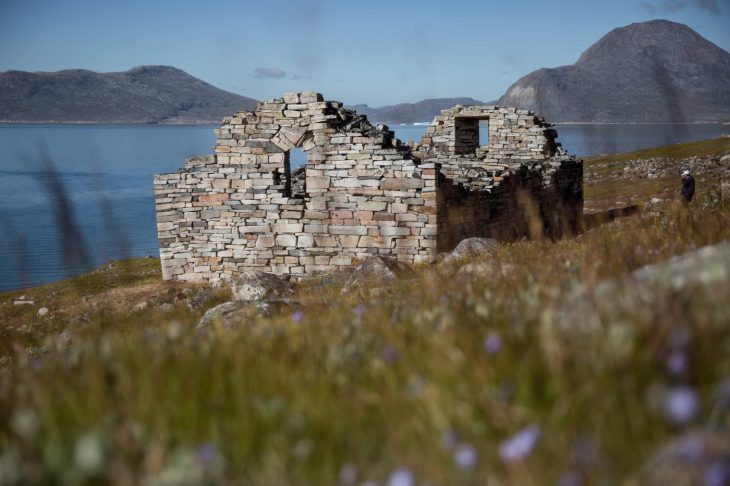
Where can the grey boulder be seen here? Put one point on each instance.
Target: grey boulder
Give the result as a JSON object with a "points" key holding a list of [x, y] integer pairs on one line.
{"points": [[230, 314], [704, 272], [255, 286], [471, 248], [375, 271]]}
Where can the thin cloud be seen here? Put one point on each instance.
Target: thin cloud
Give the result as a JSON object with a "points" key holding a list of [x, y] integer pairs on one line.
{"points": [[709, 5], [663, 7], [647, 8], [268, 73]]}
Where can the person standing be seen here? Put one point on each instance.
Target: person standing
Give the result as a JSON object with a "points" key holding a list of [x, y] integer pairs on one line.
{"points": [[688, 187]]}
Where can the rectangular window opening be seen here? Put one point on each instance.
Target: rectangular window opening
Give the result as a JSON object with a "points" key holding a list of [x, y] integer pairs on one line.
{"points": [[295, 170], [471, 134], [484, 133]]}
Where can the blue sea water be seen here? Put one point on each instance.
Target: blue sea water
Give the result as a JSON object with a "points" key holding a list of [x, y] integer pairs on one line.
{"points": [[103, 174]]}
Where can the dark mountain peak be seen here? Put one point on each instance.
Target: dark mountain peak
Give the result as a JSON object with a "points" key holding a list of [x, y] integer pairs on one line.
{"points": [[662, 39], [656, 71]]}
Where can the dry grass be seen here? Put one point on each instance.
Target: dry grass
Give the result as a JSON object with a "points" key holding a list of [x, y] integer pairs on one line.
{"points": [[428, 379], [608, 187]]}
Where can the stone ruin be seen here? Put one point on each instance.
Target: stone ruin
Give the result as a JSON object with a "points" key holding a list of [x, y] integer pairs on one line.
{"points": [[362, 192]]}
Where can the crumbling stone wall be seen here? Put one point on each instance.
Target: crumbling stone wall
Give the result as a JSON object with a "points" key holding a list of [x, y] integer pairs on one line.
{"points": [[361, 192]]}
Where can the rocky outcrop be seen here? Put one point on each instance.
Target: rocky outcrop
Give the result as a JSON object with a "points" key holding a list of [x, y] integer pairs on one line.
{"points": [[255, 294], [704, 272], [658, 167], [229, 315], [375, 272], [260, 286], [471, 248]]}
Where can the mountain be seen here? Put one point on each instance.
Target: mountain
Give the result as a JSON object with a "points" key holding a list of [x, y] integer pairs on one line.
{"points": [[145, 94], [423, 111], [657, 71]]}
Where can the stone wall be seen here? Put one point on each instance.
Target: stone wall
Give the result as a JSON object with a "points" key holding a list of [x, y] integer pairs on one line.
{"points": [[360, 193]]}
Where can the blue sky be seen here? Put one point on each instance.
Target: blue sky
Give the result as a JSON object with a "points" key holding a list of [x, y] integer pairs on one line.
{"points": [[375, 51]]}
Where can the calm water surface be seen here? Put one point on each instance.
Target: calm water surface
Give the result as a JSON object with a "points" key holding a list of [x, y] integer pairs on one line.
{"points": [[106, 173]]}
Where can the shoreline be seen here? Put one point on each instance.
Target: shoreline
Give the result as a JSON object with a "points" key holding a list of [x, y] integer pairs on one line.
{"points": [[111, 124], [413, 124], [117, 123], [642, 123]]}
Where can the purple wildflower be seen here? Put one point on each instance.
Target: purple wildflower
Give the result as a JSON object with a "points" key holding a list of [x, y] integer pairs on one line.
{"points": [[571, 478], [348, 474], [444, 299], [449, 439], [465, 457], [359, 311], [401, 477], [691, 449], [677, 363], [520, 445], [681, 405], [389, 354], [297, 316], [717, 474], [492, 343], [206, 452]]}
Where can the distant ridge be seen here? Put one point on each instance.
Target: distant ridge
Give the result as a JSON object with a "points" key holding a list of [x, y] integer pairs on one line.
{"points": [[422, 111], [144, 94], [657, 71]]}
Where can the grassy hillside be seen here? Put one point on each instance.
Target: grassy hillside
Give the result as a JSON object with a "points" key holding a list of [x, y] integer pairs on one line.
{"points": [[549, 367], [145, 94], [636, 177]]}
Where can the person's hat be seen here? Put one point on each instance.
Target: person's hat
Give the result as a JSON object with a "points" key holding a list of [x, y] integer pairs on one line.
{"points": [[686, 172]]}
